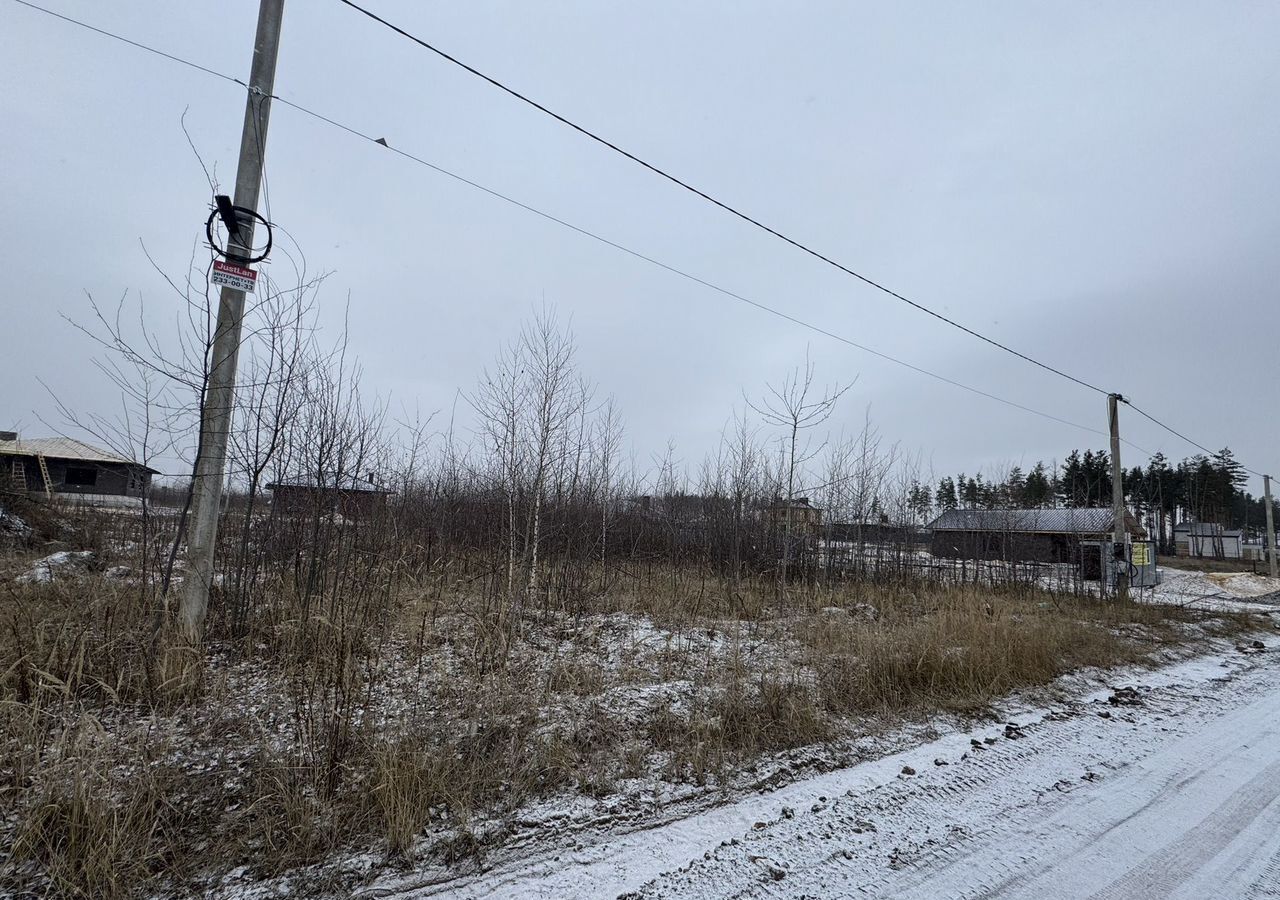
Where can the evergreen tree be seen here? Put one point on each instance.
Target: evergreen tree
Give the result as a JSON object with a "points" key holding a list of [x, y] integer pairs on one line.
{"points": [[1086, 479], [1071, 481], [945, 496], [1231, 476], [978, 491], [920, 500], [1196, 481], [1135, 490], [1038, 491], [1015, 489], [1162, 496]]}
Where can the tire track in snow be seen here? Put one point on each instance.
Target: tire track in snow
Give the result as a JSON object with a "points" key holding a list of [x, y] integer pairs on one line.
{"points": [[1173, 866], [1268, 884], [998, 823]]}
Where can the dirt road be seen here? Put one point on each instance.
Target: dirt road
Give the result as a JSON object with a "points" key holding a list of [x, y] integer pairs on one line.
{"points": [[1151, 784], [1173, 791]]}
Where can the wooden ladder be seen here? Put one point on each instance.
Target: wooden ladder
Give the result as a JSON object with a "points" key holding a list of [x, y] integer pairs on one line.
{"points": [[44, 473], [18, 475]]}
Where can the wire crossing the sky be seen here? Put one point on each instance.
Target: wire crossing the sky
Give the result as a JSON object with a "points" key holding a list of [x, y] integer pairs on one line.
{"points": [[1148, 416], [688, 275], [634, 253], [710, 199]]}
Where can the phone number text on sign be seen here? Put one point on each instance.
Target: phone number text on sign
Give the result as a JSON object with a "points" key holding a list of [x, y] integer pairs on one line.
{"points": [[230, 275]]}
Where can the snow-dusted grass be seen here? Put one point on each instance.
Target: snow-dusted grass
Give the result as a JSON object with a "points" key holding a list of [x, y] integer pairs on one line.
{"points": [[321, 746]]}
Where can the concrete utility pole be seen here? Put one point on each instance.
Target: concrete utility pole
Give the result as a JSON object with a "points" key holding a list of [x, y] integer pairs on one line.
{"points": [[1271, 526], [219, 395], [1119, 532]]}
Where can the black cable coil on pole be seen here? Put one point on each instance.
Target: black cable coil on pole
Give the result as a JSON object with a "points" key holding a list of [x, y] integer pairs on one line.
{"points": [[238, 211]]}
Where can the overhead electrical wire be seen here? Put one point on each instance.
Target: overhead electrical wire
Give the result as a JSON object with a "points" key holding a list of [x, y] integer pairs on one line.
{"points": [[132, 43], [1197, 444], [604, 240], [634, 253], [732, 210], [680, 272]]}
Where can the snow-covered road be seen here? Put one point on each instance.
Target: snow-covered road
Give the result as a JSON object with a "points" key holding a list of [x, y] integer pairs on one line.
{"points": [[1159, 784], [1176, 796]]}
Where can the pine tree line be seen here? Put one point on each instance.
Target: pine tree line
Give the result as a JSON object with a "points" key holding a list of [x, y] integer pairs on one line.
{"points": [[1199, 488]]}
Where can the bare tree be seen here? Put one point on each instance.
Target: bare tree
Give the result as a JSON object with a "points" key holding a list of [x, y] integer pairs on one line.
{"points": [[534, 409], [278, 353], [795, 407], [608, 442]]}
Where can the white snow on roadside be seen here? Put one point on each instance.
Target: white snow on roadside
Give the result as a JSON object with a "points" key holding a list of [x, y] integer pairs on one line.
{"points": [[1247, 584], [1156, 790], [622, 862], [1243, 592]]}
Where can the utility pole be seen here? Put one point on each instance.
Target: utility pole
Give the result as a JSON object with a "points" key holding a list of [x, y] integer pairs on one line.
{"points": [[1271, 526], [219, 395], [1118, 530]]}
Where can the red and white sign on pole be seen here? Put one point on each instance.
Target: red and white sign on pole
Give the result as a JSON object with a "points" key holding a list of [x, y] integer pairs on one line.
{"points": [[242, 278]]}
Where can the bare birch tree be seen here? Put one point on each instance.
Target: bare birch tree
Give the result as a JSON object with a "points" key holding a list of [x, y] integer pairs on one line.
{"points": [[795, 407]]}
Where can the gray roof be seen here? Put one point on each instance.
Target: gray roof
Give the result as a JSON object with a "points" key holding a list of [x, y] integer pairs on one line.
{"points": [[345, 483], [65, 448], [1092, 520], [795, 503]]}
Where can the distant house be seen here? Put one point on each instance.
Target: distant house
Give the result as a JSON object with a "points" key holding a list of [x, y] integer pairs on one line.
{"points": [[1207, 539], [879, 532], [1253, 550], [804, 518], [1039, 535], [65, 466], [347, 495]]}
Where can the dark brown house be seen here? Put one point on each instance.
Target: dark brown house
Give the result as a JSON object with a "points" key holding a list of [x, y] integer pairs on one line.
{"points": [[875, 533], [351, 497], [65, 466], [1032, 535]]}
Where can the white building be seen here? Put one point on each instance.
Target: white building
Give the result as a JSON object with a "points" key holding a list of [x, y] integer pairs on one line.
{"points": [[1208, 539]]}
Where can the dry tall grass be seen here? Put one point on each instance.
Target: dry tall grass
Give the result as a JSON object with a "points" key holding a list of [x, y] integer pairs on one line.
{"points": [[961, 648], [417, 726]]}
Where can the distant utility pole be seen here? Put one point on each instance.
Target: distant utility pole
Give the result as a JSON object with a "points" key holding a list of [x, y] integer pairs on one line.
{"points": [[1118, 530], [1271, 526], [219, 395]]}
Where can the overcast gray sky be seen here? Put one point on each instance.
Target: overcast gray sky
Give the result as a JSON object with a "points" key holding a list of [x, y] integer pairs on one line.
{"points": [[1093, 183]]}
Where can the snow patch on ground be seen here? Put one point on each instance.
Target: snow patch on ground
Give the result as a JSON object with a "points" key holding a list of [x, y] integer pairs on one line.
{"points": [[1243, 592], [57, 564], [12, 524], [1247, 584]]}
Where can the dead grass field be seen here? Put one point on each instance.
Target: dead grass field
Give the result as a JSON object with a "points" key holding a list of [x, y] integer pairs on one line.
{"points": [[131, 765]]}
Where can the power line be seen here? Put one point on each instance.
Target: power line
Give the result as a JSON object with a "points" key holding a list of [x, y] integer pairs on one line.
{"points": [[125, 40], [637, 254], [710, 199], [1179, 434], [590, 234], [680, 272]]}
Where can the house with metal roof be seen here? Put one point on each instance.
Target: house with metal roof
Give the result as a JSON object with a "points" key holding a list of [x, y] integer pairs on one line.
{"points": [[349, 495], [60, 465], [1042, 535]]}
